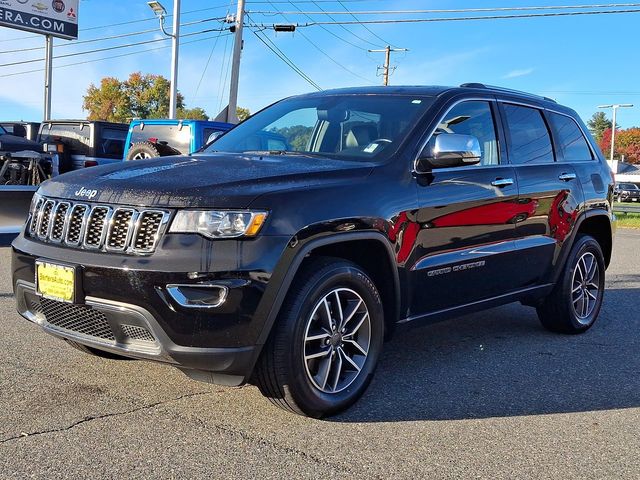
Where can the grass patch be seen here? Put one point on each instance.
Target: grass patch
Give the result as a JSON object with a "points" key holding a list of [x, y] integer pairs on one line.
{"points": [[627, 220]]}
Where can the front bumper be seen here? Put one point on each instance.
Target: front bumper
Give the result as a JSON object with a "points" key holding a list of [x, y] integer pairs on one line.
{"points": [[131, 331], [124, 306]]}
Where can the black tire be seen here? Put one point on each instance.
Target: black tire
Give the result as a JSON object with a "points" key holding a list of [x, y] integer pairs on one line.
{"points": [[143, 150], [285, 376], [565, 309], [95, 352]]}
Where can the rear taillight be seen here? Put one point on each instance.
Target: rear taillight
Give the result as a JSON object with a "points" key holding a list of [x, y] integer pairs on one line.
{"points": [[90, 163]]}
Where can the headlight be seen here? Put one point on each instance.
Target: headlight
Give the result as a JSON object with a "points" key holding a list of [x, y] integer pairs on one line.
{"points": [[218, 224]]}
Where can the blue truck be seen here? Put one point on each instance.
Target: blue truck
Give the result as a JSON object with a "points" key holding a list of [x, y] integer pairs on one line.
{"points": [[159, 138]]}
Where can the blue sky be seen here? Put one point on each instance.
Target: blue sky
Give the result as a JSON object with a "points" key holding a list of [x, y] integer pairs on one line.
{"points": [[570, 59]]}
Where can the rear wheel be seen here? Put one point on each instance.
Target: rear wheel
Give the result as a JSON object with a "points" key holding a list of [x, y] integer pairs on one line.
{"points": [[325, 345], [142, 151], [574, 304]]}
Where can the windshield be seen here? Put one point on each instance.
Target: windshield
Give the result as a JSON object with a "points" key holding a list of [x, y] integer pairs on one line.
{"points": [[2, 130], [628, 186], [354, 127]]}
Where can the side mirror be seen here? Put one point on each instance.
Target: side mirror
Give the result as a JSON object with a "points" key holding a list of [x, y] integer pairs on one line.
{"points": [[450, 150]]}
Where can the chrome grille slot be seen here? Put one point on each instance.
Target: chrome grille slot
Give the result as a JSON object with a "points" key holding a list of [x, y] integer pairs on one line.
{"points": [[35, 216], [147, 230], [57, 224], [97, 227], [74, 224], [45, 217], [120, 228]]}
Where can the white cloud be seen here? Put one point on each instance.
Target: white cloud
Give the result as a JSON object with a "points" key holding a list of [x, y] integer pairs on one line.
{"points": [[519, 73]]}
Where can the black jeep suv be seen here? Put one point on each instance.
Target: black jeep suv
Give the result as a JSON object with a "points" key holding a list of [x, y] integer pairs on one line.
{"points": [[288, 268]]}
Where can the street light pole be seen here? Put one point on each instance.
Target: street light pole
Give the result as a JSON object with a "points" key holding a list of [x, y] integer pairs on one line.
{"points": [[175, 44], [161, 13], [615, 108]]}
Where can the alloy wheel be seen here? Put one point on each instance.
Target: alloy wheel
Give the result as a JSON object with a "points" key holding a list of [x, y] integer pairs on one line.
{"points": [[585, 286], [337, 340]]}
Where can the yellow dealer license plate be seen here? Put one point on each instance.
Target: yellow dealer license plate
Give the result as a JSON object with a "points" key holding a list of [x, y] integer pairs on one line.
{"points": [[55, 281]]}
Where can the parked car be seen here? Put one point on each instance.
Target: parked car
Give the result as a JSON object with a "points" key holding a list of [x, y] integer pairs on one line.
{"points": [[23, 166], [85, 143], [159, 138], [288, 268], [627, 192], [28, 130]]}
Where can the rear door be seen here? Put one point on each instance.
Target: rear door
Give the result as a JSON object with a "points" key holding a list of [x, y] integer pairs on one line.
{"points": [[465, 237], [549, 190]]}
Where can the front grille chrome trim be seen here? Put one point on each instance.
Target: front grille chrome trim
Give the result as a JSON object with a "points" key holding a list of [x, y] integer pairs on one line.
{"points": [[97, 227]]}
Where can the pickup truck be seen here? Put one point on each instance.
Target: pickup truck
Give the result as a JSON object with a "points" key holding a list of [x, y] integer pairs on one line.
{"points": [[85, 143], [160, 138]]}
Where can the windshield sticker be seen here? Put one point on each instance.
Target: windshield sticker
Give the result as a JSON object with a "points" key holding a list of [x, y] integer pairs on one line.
{"points": [[371, 148]]}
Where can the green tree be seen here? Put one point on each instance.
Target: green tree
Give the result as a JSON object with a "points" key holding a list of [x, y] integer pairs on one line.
{"points": [[242, 113], [195, 113], [598, 123], [140, 96]]}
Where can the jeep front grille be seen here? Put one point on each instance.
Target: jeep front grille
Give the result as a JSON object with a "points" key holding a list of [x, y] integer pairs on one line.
{"points": [[97, 227]]}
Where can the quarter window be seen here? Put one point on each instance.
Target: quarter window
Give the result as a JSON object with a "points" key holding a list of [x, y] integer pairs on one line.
{"points": [[473, 118], [571, 140], [528, 138]]}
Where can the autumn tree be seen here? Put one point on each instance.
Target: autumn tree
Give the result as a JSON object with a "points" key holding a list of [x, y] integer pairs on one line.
{"points": [[242, 113], [627, 144], [140, 96], [598, 123]]}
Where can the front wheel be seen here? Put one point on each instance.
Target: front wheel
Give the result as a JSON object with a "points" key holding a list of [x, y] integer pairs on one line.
{"points": [[574, 304], [326, 342]]}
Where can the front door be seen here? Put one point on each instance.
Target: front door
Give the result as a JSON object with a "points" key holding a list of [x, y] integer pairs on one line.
{"points": [[464, 250]]}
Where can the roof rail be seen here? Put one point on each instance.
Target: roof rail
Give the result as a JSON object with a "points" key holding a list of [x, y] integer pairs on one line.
{"points": [[506, 90]]}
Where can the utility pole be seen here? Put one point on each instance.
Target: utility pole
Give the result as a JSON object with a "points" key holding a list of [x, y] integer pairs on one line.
{"points": [[175, 45], [48, 64], [235, 65], [615, 108], [387, 61]]}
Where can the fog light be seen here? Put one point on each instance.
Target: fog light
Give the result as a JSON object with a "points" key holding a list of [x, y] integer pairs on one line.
{"points": [[198, 296]]}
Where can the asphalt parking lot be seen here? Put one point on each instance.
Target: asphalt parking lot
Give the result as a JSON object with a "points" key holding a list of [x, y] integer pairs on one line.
{"points": [[489, 395]]}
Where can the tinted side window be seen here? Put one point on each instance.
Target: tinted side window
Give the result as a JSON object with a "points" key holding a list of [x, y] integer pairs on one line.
{"points": [[473, 118], [112, 143], [570, 139], [528, 138]]}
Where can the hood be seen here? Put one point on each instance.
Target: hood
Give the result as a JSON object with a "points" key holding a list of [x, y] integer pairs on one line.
{"points": [[212, 180], [12, 143]]}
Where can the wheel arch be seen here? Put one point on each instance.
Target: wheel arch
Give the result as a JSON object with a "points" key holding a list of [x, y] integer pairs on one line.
{"points": [[344, 246]]}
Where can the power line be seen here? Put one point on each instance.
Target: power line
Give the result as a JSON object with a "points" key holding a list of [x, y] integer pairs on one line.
{"points": [[330, 31], [363, 25], [285, 59], [109, 57], [456, 19], [113, 37], [204, 70], [454, 10], [317, 47], [96, 50], [347, 30]]}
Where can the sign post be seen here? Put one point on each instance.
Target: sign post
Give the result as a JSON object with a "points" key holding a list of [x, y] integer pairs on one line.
{"points": [[48, 66], [52, 18]]}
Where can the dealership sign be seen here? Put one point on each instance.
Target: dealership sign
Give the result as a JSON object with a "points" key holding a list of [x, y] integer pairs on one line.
{"points": [[58, 18]]}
